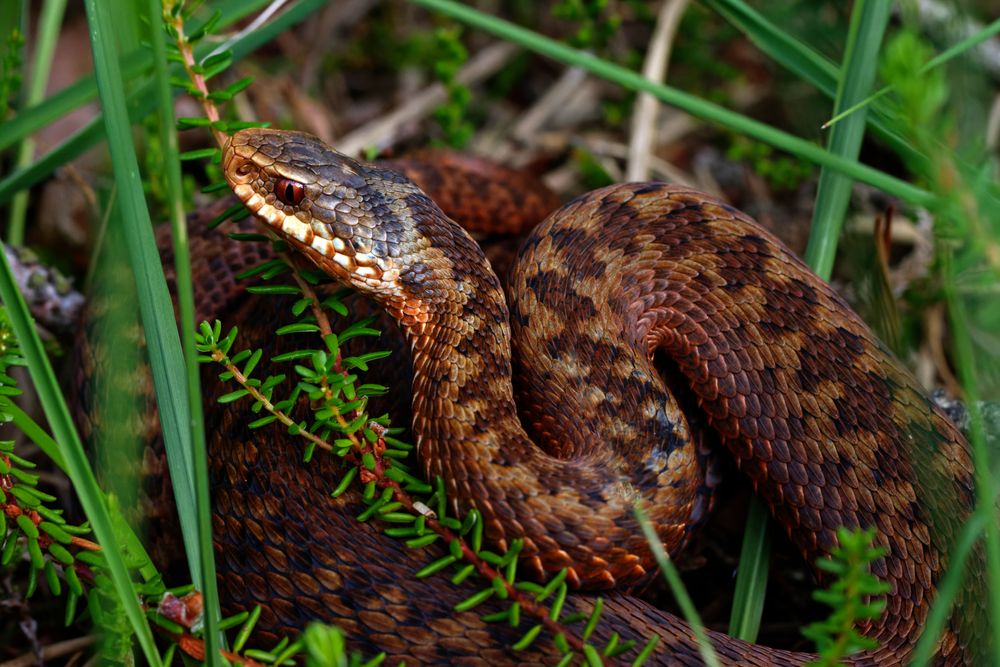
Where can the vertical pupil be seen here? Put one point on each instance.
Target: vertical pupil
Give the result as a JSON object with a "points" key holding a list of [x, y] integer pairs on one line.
{"points": [[288, 191]]}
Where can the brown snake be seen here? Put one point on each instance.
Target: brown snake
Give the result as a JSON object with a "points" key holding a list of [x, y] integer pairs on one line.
{"points": [[828, 426]]}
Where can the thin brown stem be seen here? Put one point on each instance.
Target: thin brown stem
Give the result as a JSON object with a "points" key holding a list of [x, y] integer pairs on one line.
{"points": [[322, 320], [176, 23], [51, 651], [221, 358], [85, 544], [526, 601]]}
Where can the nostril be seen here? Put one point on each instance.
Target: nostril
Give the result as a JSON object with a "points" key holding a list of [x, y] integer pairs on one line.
{"points": [[244, 169]]}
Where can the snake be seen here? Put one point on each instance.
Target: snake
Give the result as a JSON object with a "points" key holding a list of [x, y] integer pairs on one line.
{"points": [[626, 309]]}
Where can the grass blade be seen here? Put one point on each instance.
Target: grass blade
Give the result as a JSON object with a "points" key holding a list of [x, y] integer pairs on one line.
{"points": [[806, 63], [76, 464], [197, 542], [752, 574], [677, 588], [49, 22], [154, 302], [695, 106], [868, 21]]}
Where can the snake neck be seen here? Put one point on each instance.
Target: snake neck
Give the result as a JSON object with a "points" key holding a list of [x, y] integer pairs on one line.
{"points": [[466, 425], [452, 311]]}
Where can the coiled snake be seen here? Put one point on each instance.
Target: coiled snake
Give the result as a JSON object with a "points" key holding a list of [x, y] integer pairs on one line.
{"points": [[829, 427]]}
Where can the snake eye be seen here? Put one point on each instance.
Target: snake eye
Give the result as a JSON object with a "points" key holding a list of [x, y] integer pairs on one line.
{"points": [[289, 192]]}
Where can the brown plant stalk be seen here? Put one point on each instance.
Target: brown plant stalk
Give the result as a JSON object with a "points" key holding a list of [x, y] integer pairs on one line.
{"points": [[378, 475], [176, 23]]}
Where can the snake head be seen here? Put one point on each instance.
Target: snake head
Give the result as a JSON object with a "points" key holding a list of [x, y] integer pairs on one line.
{"points": [[369, 228], [322, 202]]}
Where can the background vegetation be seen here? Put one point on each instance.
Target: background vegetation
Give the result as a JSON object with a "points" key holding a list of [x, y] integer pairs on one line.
{"points": [[905, 181]]}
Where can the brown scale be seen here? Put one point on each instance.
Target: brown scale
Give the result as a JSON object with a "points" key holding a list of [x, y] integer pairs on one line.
{"points": [[493, 200], [827, 425]]}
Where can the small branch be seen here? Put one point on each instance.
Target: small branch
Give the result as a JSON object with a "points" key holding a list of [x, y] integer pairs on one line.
{"points": [[220, 357], [378, 476], [322, 320], [187, 55], [85, 544]]}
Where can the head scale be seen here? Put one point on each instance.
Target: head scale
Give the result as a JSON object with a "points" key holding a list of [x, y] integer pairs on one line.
{"points": [[322, 202]]}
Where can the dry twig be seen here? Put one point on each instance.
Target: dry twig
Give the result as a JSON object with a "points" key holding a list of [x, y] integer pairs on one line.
{"points": [[384, 131], [51, 652], [643, 140]]}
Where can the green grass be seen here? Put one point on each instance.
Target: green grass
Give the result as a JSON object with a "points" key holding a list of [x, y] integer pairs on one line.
{"points": [[192, 462], [750, 589], [49, 24], [868, 21], [673, 579], [141, 99], [154, 301], [631, 80], [155, 306]]}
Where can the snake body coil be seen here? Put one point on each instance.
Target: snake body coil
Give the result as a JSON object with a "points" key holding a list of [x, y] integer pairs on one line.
{"points": [[829, 427]]}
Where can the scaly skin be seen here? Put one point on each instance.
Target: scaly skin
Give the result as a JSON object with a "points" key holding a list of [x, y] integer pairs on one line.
{"points": [[816, 412]]}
